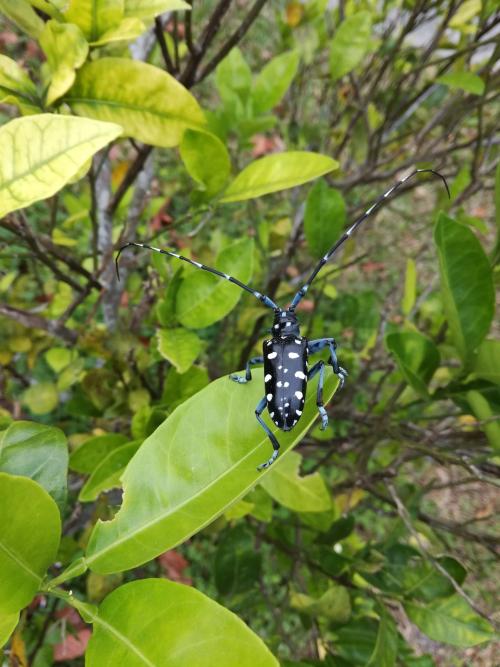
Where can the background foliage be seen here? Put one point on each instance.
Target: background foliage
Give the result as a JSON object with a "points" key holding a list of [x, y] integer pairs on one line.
{"points": [[372, 543]]}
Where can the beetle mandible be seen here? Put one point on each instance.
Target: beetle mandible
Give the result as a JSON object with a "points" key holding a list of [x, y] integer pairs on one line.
{"points": [[285, 355]]}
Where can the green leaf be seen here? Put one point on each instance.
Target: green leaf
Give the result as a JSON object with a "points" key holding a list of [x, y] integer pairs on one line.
{"points": [[8, 624], [420, 579], [233, 76], [66, 49], [485, 412], [107, 475], [23, 15], [127, 29], [324, 217], [39, 452], [43, 152], [487, 361], [41, 398], [417, 357], [300, 494], [29, 540], [277, 172], [467, 284], [179, 346], [95, 17], [334, 604], [58, 358], [410, 290], [148, 103], [237, 564], [471, 83], [206, 159], [190, 470], [16, 87], [450, 621], [147, 9], [274, 80], [88, 456], [356, 641], [386, 645], [189, 629], [203, 298], [350, 44], [465, 12], [179, 388]]}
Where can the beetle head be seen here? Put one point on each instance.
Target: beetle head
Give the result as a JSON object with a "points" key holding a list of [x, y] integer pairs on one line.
{"points": [[285, 324]]}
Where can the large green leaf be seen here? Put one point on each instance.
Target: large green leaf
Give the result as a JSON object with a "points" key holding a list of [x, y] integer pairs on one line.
{"points": [[350, 44], [39, 452], [466, 282], [16, 87], [89, 455], [42, 153], [8, 623], [468, 81], [206, 159], [190, 470], [417, 357], [66, 49], [274, 80], [300, 494], [277, 172], [203, 298], [108, 473], [487, 361], [23, 15], [148, 103], [450, 621], [233, 77], [324, 218], [179, 346], [29, 539], [386, 646], [190, 629], [486, 413], [95, 17], [146, 9]]}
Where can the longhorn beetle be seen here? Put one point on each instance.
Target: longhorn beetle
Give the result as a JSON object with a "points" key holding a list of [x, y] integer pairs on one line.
{"points": [[285, 355]]}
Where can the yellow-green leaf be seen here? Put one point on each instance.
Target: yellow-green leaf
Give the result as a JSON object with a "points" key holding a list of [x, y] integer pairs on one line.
{"points": [[410, 289], [146, 9], [148, 103], [300, 494], [107, 474], [468, 81], [179, 346], [350, 43], [42, 152], [191, 630], [487, 362], [66, 49], [334, 604], [465, 12], [29, 539], [23, 15], [41, 398], [274, 80], [128, 29], [95, 17], [8, 623], [277, 172], [16, 87], [206, 159]]}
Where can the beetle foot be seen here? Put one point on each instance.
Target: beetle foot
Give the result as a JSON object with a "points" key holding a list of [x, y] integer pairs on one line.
{"points": [[341, 373], [265, 465], [238, 378], [324, 417]]}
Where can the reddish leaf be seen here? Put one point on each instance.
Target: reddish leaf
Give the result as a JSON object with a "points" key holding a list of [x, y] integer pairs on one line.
{"points": [[73, 645], [262, 145], [174, 564]]}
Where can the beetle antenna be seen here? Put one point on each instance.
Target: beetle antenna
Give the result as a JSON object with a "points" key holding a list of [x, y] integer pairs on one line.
{"points": [[373, 208], [262, 297]]}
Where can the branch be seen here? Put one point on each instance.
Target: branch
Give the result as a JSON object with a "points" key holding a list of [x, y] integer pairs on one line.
{"points": [[32, 321]]}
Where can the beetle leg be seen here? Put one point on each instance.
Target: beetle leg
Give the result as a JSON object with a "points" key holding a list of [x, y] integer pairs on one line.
{"points": [[340, 372], [319, 367], [248, 373], [276, 445]]}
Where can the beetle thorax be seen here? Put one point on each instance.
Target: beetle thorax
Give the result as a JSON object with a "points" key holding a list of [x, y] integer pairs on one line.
{"points": [[285, 324]]}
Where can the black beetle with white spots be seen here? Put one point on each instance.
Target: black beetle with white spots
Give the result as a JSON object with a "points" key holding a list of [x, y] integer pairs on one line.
{"points": [[286, 355]]}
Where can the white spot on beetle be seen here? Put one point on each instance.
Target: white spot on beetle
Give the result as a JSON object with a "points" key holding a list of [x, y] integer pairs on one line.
{"points": [[300, 374], [271, 414], [286, 405], [280, 367], [298, 412], [299, 394], [287, 384], [297, 341], [268, 377], [293, 355], [294, 422], [276, 423], [276, 326], [279, 383], [288, 324], [269, 397], [286, 370], [269, 342], [272, 355]]}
